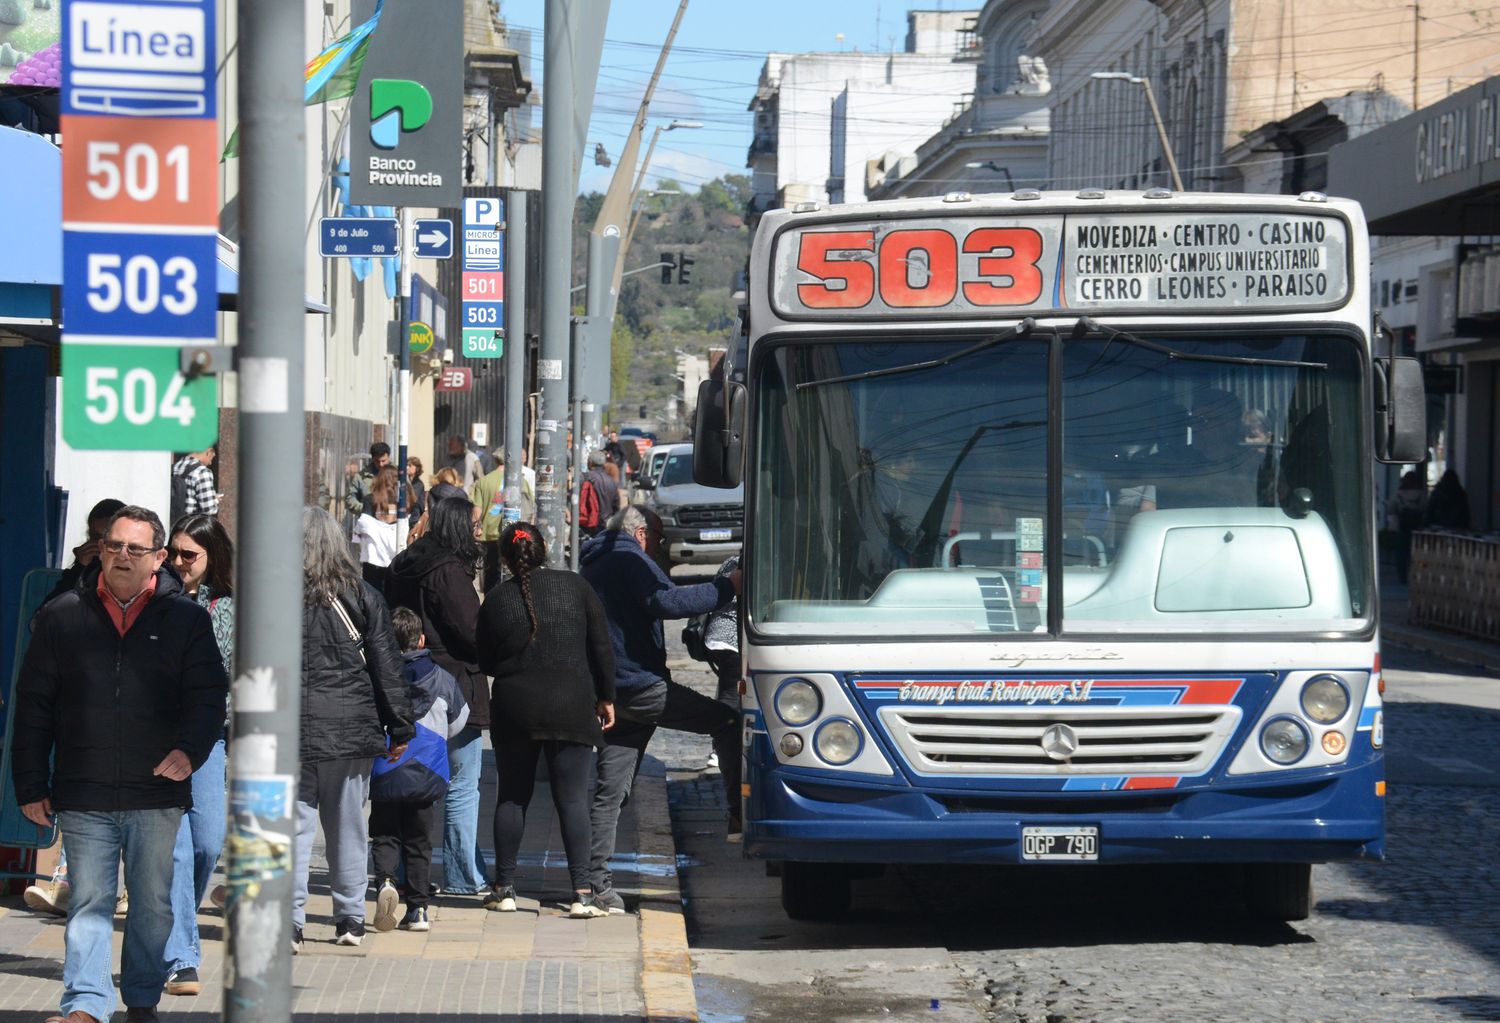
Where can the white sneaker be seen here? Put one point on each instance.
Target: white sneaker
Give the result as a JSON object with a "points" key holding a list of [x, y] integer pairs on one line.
{"points": [[713, 762], [501, 900], [387, 901], [586, 907], [49, 897]]}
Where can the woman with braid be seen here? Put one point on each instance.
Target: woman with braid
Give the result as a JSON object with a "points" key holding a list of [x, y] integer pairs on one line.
{"points": [[544, 638]]}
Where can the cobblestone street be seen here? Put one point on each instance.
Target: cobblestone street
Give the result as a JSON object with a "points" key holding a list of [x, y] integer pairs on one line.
{"points": [[1413, 938]]}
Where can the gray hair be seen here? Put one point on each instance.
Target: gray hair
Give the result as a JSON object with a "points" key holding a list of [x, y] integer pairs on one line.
{"points": [[328, 569], [596, 459], [633, 517]]}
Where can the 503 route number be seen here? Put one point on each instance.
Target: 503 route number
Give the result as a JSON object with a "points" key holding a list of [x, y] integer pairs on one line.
{"points": [[109, 394], [138, 283], [917, 268]]}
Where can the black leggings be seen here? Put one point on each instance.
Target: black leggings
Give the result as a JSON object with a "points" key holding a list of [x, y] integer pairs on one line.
{"points": [[568, 765]]}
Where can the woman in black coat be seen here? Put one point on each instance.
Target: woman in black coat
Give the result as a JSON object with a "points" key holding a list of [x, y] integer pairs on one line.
{"points": [[354, 708], [434, 578], [544, 636]]}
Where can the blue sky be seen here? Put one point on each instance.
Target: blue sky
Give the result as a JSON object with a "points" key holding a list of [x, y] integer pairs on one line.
{"points": [[711, 73]]}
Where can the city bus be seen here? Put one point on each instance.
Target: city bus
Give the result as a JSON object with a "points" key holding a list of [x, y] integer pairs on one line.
{"points": [[1060, 540]]}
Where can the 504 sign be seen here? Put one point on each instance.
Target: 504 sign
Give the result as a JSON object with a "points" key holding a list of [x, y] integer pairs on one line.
{"points": [[134, 397]]}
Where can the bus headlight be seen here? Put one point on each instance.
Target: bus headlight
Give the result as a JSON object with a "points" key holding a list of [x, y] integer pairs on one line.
{"points": [[798, 702], [1325, 699], [1284, 741], [791, 744], [837, 741]]}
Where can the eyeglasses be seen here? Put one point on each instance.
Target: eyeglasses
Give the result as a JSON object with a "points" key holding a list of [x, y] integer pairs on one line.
{"points": [[134, 550], [186, 557]]}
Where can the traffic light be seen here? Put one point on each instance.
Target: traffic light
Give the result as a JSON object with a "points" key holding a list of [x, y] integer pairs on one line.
{"points": [[667, 266], [684, 267]]}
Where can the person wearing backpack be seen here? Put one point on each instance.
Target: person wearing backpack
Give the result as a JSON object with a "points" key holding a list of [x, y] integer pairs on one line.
{"points": [[598, 497], [403, 789], [354, 708], [194, 491]]}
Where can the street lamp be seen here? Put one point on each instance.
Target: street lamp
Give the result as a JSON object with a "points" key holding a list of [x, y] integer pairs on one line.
{"points": [[1161, 129], [640, 179], [992, 165]]}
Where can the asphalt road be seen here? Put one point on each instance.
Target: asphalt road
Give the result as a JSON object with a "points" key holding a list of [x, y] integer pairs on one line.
{"points": [[1414, 938]]}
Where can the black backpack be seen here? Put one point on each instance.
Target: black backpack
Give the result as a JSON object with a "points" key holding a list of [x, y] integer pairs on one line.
{"points": [[179, 497]]}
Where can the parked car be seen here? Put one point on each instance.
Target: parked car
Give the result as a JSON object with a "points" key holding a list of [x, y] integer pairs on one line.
{"points": [[701, 524], [653, 460]]}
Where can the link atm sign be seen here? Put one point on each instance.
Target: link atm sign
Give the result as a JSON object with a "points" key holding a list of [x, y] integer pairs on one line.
{"points": [[926, 267], [140, 218]]}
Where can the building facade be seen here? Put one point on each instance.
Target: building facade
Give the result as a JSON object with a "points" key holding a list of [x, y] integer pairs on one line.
{"points": [[996, 139], [821, 117]]}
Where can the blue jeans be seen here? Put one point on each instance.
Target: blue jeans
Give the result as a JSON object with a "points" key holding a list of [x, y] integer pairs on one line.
{"points": [[95, 842], [200, 839], [463, 864]]}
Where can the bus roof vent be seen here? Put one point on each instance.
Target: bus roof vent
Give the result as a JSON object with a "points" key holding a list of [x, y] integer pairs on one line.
{"points": [[1157, 193], [1025, 194], [1091, 193], [958, 197], [1312, 197], [807, 207]]}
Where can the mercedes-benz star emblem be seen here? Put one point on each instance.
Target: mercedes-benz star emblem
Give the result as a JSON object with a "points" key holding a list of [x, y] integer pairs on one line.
{"points": [[1059, 742]]}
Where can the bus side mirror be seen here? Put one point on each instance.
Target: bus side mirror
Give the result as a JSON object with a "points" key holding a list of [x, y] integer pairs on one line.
{"points": [[718, 429], [1400, 411]]}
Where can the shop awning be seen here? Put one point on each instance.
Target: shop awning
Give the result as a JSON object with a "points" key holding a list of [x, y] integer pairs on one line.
{"points": [[31, 243]]}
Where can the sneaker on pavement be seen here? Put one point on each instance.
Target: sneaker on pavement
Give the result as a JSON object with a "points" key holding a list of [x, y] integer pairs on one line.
{"points": [[184, 982], [610, 900], [122, 904], [296, 940], [713, 762], [387, 901], [586, 907], [49, 897], [142, 1014], [416, 919], [348, 932], [219, 896], [501, 900]]}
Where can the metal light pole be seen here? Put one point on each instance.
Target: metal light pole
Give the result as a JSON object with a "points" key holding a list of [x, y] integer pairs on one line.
{"points": [[558, 188], [268, 635], [515, 345], [1010, 182], [403, 376], [1161, 129]]}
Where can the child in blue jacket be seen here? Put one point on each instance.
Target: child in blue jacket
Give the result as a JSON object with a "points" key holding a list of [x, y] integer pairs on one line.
{"points": [[403, 790]]}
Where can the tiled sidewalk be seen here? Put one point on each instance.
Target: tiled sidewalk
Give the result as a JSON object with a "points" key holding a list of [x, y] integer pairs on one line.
{"points": [[535, 964]]}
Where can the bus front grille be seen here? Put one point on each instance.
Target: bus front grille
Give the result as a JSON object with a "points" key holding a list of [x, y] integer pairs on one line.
{"points": [[968, 740]]}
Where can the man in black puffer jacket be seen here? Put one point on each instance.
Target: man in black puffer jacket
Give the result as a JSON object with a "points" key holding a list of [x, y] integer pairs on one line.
{"points": [[124, 684]]}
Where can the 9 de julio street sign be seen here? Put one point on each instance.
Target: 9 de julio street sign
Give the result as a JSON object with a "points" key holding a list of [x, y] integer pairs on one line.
{"points": [[140, 215]]}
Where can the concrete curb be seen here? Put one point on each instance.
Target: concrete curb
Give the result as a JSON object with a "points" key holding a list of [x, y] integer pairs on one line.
{"points": [[666, 966], [1454, 648]]}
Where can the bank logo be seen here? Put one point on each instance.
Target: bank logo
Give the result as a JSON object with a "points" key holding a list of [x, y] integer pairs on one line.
{"points": [[396, 106]]}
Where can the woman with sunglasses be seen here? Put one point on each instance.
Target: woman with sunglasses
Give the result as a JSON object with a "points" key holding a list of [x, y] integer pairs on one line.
{"points": [[201, 553]]}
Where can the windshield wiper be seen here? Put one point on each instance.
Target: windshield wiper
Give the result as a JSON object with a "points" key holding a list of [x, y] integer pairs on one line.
{"points": [[1021, 329], [1086, 326]]}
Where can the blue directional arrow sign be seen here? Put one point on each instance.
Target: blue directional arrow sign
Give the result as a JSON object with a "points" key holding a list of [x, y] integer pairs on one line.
{"points": [[433, 239], [350, 237]]}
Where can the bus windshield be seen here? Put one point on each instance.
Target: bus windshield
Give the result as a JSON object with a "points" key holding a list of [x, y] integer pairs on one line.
{"points": [[1208, 485]]}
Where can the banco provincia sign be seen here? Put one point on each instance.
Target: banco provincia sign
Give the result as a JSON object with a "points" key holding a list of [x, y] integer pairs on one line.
{"points": [[406, 114]]}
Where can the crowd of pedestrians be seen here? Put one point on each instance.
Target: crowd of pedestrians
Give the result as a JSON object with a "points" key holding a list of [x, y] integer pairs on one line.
{"points": [[122, 716]]}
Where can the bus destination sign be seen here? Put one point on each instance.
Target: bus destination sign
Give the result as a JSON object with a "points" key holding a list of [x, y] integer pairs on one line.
{"points": [[978, 266]]}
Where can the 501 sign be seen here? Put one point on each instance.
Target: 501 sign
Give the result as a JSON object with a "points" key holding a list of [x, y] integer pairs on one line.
{"points": [[135, 397]]}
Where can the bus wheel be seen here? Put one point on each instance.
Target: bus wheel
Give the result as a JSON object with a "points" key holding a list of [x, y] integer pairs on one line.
{"points": [[1278, 891], [814, 891]]}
